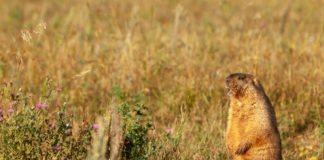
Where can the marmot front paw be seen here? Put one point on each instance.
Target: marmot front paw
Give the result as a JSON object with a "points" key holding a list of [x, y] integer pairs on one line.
{"points": [[242, 148]]}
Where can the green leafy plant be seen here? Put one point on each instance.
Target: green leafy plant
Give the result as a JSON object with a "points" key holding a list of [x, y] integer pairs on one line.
{"points": [[136, 125]]}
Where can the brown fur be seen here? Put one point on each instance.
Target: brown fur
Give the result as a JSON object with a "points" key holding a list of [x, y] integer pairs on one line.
{"points": [[252, 132]]}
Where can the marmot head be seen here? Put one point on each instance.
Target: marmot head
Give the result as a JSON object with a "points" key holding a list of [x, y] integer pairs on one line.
{"points": [[241, 85]]}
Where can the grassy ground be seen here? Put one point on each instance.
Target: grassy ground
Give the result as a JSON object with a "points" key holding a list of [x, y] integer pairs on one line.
{"points": [[175, 55]]}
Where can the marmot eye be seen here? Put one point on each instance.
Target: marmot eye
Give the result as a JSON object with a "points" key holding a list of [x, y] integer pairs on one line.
{"points": [[241, 77]]}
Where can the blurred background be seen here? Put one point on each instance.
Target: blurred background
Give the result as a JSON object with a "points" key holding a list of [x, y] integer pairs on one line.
{"points": [[175, 55]]}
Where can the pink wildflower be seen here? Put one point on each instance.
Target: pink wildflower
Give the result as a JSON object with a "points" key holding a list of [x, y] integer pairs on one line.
{"points": [[95, 126], [11, 103], [39, 105], [57, 148], [10, 111], [52, 126]]}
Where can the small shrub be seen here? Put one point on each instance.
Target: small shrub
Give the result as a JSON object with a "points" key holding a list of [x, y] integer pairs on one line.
{"points": [[136, 125], [139, 142], [29, 131]]}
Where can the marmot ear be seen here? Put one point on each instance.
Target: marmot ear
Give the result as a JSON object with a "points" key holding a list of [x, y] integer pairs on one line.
{"points": [[256, 82]]}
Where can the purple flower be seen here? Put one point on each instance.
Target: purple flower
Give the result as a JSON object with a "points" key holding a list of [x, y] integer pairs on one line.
{"points": [[57, 148], [0, 111], [12, 96], [39, 105], [10, 111], [45, 105], [59, 89], [11, 103], [95, 126], [168, 130]]}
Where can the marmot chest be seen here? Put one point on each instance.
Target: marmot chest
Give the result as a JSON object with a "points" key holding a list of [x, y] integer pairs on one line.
{"points": [[240, 119]]}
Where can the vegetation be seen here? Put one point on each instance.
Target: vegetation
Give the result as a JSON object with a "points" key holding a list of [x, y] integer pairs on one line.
{"points": [[60, 63]]}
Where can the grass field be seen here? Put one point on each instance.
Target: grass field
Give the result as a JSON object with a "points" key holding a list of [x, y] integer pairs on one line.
{"points": [[170, 55]]}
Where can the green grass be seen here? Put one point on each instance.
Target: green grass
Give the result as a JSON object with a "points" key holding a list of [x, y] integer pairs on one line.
{"points": [[170, 56]]}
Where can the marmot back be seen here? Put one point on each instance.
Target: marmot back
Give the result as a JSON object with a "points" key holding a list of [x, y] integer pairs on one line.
{"points": [[252, 132]]}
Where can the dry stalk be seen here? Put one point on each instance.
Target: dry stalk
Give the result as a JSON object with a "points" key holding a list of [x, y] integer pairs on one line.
{"points": [[116, 132]]}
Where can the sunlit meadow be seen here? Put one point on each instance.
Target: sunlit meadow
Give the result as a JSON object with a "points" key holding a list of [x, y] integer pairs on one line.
{"points": [[65, 63]]}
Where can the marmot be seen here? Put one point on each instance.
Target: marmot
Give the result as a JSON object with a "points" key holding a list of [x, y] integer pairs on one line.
{"points": [[252, 132]]}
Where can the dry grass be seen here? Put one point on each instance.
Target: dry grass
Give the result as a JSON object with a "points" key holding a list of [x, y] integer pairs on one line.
{"points": [[177, 54]]}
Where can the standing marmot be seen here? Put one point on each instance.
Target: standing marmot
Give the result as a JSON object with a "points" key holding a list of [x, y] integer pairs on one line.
{"points": [[252, 132]]}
